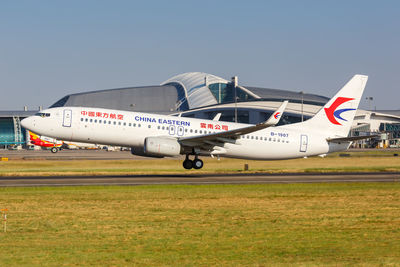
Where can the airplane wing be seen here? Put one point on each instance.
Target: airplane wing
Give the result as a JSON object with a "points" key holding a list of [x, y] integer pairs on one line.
{"points": [[350, 139], [218, 139]]}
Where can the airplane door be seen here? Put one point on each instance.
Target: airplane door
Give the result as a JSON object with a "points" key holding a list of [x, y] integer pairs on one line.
{"points": [[67, 118], [303, 143], [181, 130]]}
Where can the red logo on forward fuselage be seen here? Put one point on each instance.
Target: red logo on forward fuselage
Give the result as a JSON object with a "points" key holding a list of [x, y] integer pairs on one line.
{"points": [[334, 114]]}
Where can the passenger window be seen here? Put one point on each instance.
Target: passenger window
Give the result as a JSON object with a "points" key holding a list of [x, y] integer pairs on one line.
{"points": [[81, 119], [119, 123], [109, 122], [115, 123], [134, 125], [130, 124], [124, 123], [86, 120], [149, 126], [91, 120], [138, 125]]}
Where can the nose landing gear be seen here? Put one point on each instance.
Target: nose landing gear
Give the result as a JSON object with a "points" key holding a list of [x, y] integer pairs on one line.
{"points": [[196, 163]]}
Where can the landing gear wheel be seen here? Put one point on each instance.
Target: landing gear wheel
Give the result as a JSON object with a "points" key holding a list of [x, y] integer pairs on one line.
{"points": [[198, 164], [187, 164], [54, 150]]}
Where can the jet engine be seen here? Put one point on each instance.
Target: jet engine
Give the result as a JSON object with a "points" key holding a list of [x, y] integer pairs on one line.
{"points": [[162, 146], [157, 147]]}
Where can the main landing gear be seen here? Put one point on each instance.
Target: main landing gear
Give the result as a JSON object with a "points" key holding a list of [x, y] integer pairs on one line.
{"points": [[196, 163]]}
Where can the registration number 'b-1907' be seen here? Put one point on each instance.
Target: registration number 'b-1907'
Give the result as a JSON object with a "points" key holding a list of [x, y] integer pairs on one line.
{"points": [[279, 134]]}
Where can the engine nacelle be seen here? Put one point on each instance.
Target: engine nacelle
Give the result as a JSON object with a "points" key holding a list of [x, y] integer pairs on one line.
{"points": [[162, 146], [139, 151]]}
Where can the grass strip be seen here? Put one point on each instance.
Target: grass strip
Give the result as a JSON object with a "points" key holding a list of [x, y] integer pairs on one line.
{"points": [[227, 225], [174, 166]]}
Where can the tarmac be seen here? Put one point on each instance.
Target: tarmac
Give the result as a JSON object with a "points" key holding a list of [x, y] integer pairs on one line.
{"points": [[66, 154], [193, 179], [258, 178]]}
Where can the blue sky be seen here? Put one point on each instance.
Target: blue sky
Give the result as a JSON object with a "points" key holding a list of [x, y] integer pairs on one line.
{"points": [[52, 48]]}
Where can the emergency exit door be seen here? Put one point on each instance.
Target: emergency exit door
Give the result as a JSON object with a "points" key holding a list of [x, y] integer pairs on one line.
{"points": [[67, 118], [303, 143]]}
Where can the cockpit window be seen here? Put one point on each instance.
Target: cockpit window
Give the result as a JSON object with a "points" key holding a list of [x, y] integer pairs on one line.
{"points": [[42, 114]]}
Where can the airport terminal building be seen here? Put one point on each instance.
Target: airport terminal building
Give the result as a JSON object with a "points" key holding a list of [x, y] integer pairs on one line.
{"points": [[202, 95]]}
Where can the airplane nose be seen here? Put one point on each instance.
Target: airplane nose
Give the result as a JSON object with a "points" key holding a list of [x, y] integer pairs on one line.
{"points": [[28, 123]]}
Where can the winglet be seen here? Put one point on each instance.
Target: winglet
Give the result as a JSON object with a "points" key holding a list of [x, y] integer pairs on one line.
{"points": [[217, 117], [276, 116]]}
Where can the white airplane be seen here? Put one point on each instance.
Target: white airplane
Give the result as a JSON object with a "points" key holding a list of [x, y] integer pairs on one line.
{"points": [[155, 135]]}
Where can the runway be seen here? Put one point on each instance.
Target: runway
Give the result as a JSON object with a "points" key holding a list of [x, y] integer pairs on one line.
{"points": [[258, 178]]}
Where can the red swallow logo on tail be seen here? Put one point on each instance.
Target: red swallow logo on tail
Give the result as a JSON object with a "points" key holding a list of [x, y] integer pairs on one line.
{"points": [[334, 114]]}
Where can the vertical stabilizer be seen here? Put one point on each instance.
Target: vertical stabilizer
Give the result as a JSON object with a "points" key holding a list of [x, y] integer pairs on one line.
{"points": [[337, 116]]}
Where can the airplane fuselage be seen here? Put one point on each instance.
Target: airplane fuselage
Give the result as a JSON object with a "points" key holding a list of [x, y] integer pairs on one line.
{"points": [[129, 129]]}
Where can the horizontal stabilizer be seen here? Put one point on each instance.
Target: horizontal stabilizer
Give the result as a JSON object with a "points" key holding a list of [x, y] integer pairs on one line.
{"points": [[350, 139]]}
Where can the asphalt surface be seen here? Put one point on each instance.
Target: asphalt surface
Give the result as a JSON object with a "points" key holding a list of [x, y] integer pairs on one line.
{"points": [[195, 179], [259, 178], [99, 154], [66, 154]]}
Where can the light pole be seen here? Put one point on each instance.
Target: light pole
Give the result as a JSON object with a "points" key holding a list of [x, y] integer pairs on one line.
{"points": [[369, 99], [235, 84], [302, 104]]}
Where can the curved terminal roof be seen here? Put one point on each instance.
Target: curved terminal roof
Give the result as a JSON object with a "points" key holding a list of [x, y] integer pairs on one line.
{"points": [[157, 99], [183, 92], [199, 91], [194, 84]]}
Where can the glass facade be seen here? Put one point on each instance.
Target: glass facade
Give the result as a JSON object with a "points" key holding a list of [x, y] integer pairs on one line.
{"points": [[243, 116], [251, 116], [7, 135], [225, 93], [392, 128]]}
